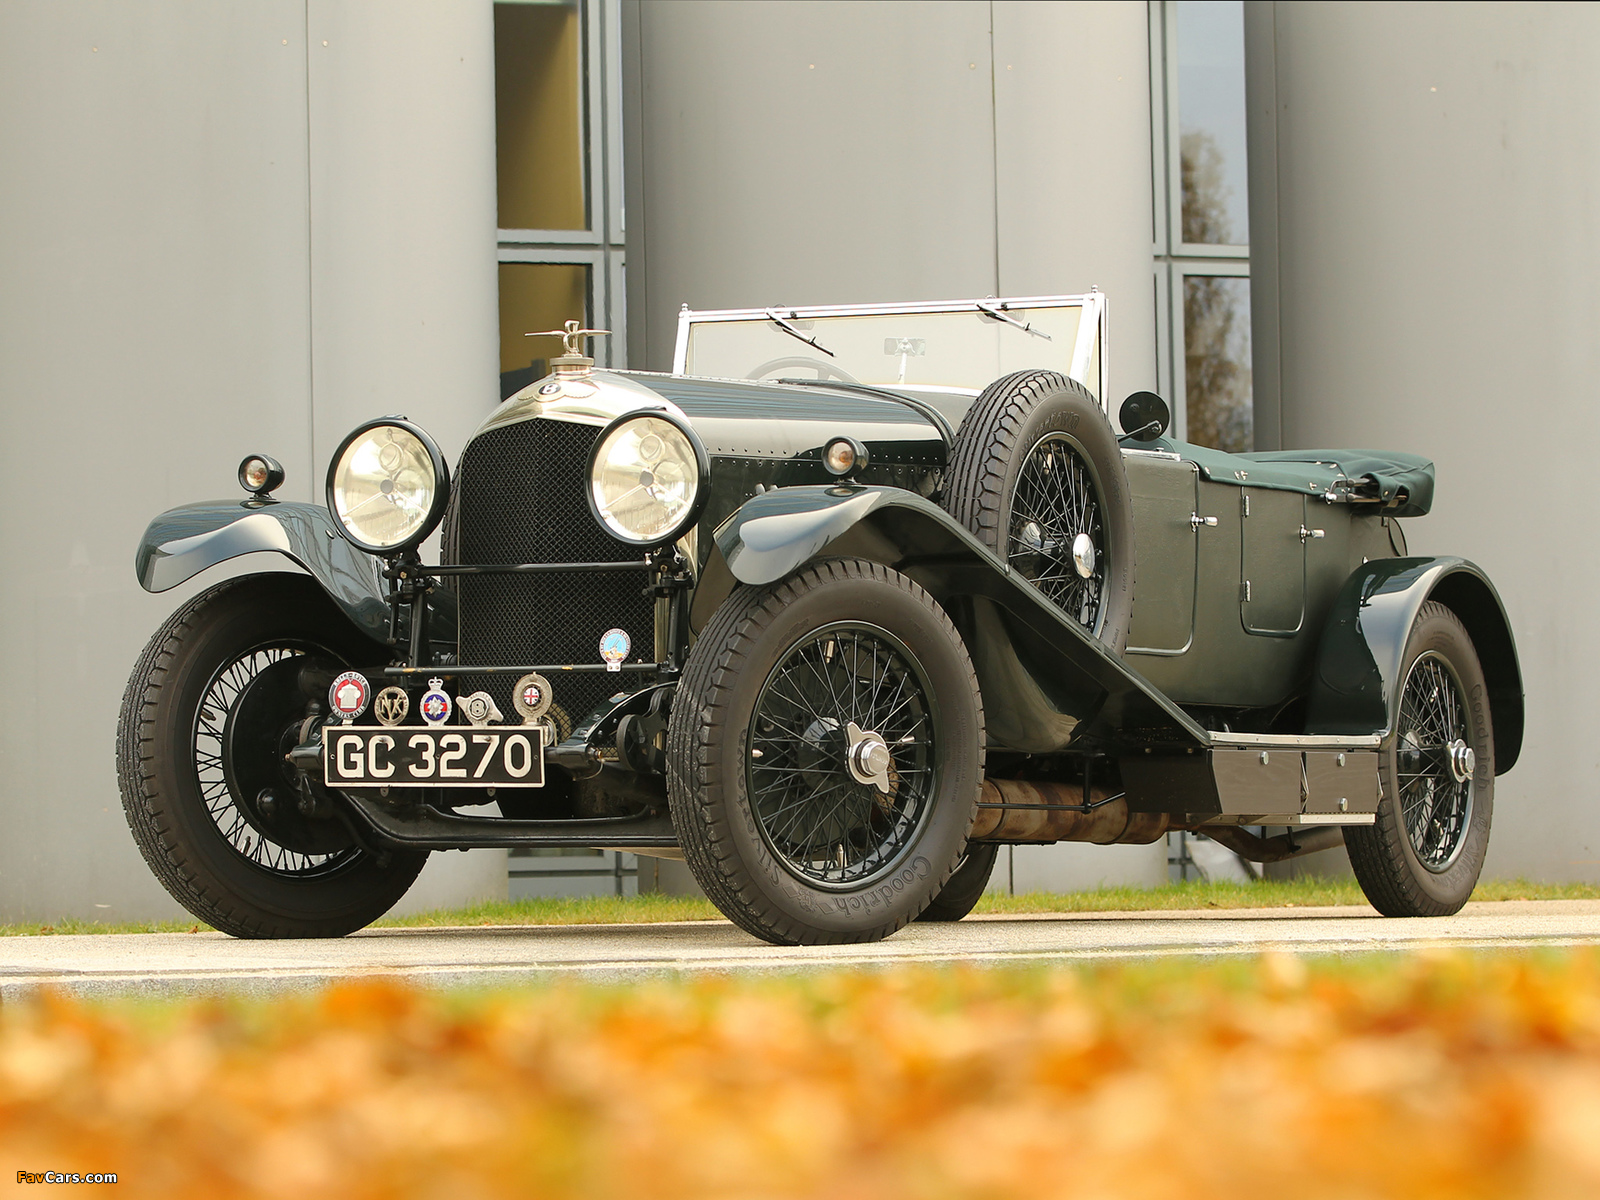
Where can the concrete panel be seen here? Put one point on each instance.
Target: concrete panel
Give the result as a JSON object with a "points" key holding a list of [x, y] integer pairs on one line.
{"points": [[1078, 866], [805, 153], [153, 330], [404, 301], [156, 324], [1072, 162], [1429, 169]]}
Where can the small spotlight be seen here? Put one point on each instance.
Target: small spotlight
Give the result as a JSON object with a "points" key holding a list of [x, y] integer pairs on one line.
{"points": [[844, 455], [260, 475]]}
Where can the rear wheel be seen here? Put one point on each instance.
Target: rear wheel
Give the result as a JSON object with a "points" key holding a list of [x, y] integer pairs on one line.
{"points": [[218, 698], [1423, 854], [825, 753], [966, 886]]}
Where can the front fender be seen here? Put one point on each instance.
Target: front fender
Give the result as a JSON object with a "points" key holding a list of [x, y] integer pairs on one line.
{"points": [[182, 542], [1046, 682], [1356, 685]]}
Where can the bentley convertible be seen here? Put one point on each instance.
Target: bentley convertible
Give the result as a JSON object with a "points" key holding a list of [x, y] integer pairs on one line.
{"points": [[847, 601]]}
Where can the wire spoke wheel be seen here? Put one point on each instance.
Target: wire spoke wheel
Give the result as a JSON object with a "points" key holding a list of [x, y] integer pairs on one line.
{"points": [[1056, 537], [222, 693], [234, 815], [839, 692], [1037, 476], [1424, 851], [1435, 795]]}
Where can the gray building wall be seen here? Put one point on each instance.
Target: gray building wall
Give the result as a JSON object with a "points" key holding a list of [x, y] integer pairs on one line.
{"points": [[826, 153], [224, 228], [1424, 186]]}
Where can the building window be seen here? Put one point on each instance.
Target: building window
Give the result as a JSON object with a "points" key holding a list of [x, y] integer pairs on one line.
{"points": [[558, 160], [1202, 219], [558, 150]]}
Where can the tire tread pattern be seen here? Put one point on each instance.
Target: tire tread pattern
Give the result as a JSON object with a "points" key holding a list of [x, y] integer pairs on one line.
{"points": [[148, 811], [701, 705], [1378, 851], [986, 444]]}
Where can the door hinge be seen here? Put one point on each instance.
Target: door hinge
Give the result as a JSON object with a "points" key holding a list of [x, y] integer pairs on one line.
{"points": [[1244, 503], [1244, 591]]}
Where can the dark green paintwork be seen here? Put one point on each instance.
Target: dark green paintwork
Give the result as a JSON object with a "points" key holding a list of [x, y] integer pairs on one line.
{"points": [[1357, 681], [1243, 654], [1046, 683], [182, 542]]}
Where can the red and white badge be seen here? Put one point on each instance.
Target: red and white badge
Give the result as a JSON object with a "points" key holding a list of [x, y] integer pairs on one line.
{"points": [[435, 703], [531, 697], [349, 695]]}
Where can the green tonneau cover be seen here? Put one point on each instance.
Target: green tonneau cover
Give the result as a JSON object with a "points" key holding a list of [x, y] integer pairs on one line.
{"points": [[1402, 484]]}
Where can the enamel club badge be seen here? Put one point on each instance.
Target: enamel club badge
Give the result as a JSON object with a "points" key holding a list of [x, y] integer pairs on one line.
{"points": [[435, 705], [614, 647], [349, 695]]}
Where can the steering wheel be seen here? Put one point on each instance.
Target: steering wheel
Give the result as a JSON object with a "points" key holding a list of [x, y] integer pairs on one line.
{"points": [[824, 370]]}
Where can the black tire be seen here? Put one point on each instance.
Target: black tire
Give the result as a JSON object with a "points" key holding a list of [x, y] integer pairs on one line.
{"points": [[785, 841], [206, 714], [1029, 442], [1423, 855], [966, 885]]}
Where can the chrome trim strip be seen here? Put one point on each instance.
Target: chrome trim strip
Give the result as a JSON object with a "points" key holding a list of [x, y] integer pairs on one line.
{"points": [[1083, 349], [1338, 818], [1295, 741]]}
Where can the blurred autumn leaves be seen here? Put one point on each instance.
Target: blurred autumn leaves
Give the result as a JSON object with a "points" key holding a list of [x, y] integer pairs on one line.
{"points": [[1444, 1076]]}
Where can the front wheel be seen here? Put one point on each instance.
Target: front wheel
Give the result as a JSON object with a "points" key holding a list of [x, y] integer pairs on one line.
{"points": [[1422, 856], [825, 753], [217, 699]]}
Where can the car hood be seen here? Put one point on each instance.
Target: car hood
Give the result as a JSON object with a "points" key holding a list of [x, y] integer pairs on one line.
{"points": [[734, 418]]}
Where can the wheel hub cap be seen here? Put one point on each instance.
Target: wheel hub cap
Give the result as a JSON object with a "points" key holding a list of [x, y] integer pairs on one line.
{"points": [[1463, 761], [868, 758], [1083, 555]]}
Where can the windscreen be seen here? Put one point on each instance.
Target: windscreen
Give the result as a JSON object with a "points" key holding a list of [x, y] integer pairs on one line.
{"points": [[964, 349]]}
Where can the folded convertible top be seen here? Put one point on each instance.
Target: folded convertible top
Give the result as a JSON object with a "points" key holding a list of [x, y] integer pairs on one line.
{"points": [[1401, 483]]}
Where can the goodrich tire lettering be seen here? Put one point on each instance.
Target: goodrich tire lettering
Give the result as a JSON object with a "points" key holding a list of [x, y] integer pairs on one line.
{"points": [[776, 875]]}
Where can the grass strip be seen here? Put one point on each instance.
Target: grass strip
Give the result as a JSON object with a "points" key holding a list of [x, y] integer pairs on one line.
{"points": [[654, 908]]}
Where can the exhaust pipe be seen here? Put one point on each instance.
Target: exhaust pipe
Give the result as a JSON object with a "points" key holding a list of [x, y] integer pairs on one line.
{"points": [[1018, 810]]}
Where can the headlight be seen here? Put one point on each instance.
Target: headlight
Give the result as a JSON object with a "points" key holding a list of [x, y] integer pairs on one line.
{"points": [[647, 478], [388, 486]]}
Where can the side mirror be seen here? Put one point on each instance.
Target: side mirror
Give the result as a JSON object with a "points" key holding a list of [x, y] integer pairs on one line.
{"points": [[1144, 416]]}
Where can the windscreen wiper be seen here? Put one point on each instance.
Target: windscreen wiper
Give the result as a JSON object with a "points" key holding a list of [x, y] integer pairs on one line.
{"points": [[1000, 314], [772, 315]]}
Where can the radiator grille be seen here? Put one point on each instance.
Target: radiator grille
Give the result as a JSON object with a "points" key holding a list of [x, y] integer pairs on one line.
{"points": [[518, 498]]}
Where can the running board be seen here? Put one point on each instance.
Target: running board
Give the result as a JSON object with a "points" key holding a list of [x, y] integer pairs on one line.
{"points": [[423, 827], [1262, 779]]}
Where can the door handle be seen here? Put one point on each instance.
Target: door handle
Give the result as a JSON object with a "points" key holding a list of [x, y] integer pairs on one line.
{"points": [[1310, 533], [1196, 520]]}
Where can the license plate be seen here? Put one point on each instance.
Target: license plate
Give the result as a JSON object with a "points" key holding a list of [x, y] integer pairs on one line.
{"points": [[402, 756]]}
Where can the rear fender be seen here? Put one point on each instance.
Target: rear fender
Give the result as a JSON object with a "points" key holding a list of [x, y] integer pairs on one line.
{"points": [[182, 542], [1045, 681], [1356, 685]]}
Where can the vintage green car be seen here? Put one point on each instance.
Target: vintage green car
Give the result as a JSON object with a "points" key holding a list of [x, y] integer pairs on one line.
{"points": [[851, 598]]}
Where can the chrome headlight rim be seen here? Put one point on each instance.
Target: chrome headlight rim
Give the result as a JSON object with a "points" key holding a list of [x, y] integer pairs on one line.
{"points": [[441, 491], [691, 515]]}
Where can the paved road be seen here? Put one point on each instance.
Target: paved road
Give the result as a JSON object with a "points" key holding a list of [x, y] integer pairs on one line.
{"points": [[166, 963]]}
